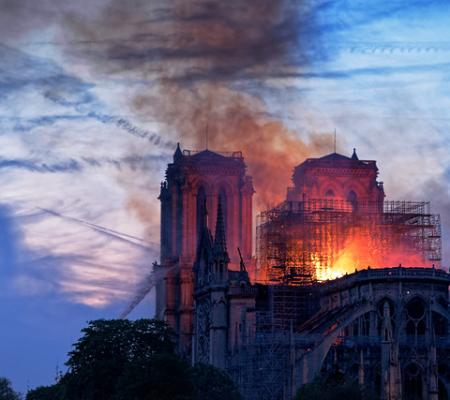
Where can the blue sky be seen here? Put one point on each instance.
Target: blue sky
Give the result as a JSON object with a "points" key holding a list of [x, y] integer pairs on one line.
{"points": [[95, 94]]}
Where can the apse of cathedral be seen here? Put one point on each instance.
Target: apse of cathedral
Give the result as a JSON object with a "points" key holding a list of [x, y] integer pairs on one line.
{"points": [[344, 282]]}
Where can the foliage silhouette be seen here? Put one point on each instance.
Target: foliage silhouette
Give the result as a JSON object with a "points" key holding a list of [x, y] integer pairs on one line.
{"points": [[133, 360], [6, 390]]}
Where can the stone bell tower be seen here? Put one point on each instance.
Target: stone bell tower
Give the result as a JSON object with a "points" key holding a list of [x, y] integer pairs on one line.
{"points": [[196, 182]]}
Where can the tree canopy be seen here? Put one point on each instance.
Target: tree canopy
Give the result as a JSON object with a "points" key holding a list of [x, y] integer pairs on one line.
{"points": [[6, 390], [212, 383], [133, 360], [54, 392], [110, 352]]}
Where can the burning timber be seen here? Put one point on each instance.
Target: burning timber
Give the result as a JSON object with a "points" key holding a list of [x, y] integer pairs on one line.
{"points": [[319, 239]]}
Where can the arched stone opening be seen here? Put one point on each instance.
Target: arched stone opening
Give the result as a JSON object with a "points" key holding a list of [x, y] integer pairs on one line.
{"points": [[440, 324], [223, 199], [201, 210], [380, 315], [442, 391], [415, 311], [352, 198], [413, 383], [329, 194]]}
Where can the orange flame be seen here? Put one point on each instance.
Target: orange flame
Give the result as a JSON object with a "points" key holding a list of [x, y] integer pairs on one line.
{"points": [[361, 251]]}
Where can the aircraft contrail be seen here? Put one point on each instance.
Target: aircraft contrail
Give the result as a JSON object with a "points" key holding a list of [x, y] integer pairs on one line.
{"points": [[111, 232]]}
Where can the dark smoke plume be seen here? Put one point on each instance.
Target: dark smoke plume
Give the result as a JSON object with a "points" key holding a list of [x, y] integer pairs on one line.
{"points": [[194, 55], [203, 64], [192, 40]]}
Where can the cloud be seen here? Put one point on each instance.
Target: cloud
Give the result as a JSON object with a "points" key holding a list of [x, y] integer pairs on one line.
{"points": [[70, 166], [63, 152], [94, 277]]}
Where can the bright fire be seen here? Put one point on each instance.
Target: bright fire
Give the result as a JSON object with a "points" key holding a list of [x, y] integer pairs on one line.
{"points": [[363, 251]]}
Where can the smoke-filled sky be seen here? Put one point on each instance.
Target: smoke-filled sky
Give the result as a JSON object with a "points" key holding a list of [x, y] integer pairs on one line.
{"points": [[94, 95]]}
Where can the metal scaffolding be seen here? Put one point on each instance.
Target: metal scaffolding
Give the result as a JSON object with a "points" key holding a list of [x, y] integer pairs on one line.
{"points": [[298, 242], [261, 369], [264, 368]]}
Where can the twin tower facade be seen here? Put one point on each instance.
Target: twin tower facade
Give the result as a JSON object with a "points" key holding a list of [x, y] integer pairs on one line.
{"points": [[196, 183]]}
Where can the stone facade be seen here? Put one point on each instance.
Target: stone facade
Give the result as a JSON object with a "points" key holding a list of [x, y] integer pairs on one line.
{"points": [[386, 329], [337, 177], [196, 182]]}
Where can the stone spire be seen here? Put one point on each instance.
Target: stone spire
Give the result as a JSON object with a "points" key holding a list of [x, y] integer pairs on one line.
{"points": [[205, 242], [354, 155], [361, 368], [204, 259], [220, 243], [178, 154]]}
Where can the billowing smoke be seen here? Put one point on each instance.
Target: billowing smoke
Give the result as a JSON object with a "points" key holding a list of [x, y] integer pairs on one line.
{"points": [[206, 68], [222, 119], [198, 40], [207, 64]]}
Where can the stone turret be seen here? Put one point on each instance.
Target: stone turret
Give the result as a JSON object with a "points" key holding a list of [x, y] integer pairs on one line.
{"points": [[221, 258], [211, 279]]}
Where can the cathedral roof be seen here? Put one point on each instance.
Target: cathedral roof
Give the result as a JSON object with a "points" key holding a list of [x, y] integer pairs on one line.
{"points": [[335, 160], [204, 164], [207, 159], [208, 155], [333, 157]]}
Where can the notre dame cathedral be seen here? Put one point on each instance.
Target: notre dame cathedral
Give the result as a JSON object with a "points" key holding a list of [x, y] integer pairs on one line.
{"points": [[343, 281]]}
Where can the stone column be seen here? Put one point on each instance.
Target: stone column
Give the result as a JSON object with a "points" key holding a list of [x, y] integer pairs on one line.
{"points": [[171, 289], [191, 224], [218, 330], [185, 195], [246, 223], [234, 227], [185, 310], [174, 225]]}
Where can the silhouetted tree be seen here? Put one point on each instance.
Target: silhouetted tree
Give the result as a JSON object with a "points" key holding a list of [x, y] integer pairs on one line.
{"points": [[100, 364], [6, 390], [53, 392], [213, 384], [126, 360], [164, 377]]}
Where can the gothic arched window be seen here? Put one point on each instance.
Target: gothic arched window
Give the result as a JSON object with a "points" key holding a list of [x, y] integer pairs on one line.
{"points": [[329, 194], [416, 315], [224, 205], [352, 198], [201, 210], [413, 384]]}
